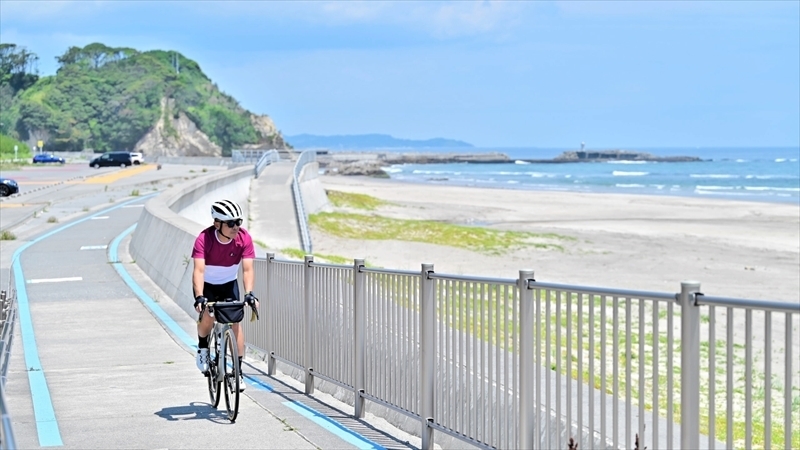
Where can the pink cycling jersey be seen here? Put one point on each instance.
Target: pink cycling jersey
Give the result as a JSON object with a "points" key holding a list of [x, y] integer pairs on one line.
{"points": [[222, 259]]}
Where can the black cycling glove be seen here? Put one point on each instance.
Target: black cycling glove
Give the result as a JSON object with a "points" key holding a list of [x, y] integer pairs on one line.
{"points": [[250, 299], [200, 300]]}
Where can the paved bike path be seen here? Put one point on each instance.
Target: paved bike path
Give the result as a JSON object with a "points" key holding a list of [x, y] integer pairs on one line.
{"points": [[116, 377]]}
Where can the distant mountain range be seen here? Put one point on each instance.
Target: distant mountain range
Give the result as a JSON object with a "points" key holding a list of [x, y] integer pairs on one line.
{"points": [[369, 141]]}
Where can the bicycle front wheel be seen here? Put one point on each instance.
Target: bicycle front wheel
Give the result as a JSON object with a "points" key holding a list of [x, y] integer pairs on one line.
{"points": [[231, 381], [213, 369]]}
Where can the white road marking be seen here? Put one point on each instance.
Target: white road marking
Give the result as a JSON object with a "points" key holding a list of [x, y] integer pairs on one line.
{"points": [[93, 247], [99, 217], [54, 280], [134, 206]]}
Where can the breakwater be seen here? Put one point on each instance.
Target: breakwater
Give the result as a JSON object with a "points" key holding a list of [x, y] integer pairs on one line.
{"points": [[371, 163]]}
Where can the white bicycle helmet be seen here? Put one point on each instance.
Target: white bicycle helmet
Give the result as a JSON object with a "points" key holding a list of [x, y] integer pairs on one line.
{"points": [[226, 210]]}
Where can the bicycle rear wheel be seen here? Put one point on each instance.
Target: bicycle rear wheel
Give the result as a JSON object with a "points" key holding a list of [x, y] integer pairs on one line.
{"points": [[231, 367], [213, 364]]}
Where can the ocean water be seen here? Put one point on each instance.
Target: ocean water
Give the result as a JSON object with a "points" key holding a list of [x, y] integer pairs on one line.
{"points": [[760, 174]]}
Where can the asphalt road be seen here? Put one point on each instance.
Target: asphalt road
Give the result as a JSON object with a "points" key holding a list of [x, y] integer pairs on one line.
{"points": [[94, 365]]}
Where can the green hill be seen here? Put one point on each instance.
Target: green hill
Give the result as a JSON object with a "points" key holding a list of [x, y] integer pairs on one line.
{"points": [[108, 98]]}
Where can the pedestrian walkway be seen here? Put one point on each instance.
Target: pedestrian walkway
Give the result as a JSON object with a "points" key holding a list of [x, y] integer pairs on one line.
{"points": [[272, 217]]}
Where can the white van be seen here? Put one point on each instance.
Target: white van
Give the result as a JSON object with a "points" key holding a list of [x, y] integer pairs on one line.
{"points": [[137, 158]]}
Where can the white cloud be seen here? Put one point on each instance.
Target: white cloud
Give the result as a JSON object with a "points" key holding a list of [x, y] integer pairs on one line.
{"points": [[655, 8], [35, 12], [440, 19]]}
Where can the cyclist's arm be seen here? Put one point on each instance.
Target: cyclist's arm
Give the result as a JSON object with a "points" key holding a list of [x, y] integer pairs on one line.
{"points": [[197, 275], [248, 274]]}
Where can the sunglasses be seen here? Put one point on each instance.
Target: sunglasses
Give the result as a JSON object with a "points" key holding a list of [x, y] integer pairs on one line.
{"points": [[231, 223]]}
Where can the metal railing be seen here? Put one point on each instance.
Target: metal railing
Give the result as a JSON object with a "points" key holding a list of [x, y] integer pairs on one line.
{"points": [[266, 159], [247, 156], [306, 157], [516, 363], [8, 316]]}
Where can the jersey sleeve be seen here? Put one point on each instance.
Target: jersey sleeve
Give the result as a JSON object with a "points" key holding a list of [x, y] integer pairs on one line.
{"points": [[248, 252], [199, 247]]}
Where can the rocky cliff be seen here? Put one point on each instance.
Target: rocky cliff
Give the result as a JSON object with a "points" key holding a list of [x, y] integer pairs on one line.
{"points": [[179, 136]]}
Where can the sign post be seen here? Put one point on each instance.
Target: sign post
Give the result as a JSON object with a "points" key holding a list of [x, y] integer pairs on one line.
{"points": [[15, 153], [40, 144]]}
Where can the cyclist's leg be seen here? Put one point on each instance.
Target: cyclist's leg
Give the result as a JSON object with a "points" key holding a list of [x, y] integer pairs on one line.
{"points": [[206, 322], [239, 333]]}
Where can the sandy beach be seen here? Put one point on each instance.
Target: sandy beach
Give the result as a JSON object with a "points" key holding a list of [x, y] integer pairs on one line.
{"points": [[733, 248]]}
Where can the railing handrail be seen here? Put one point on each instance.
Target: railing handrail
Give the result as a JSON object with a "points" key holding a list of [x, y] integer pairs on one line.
{"points": [[306, 157], [266, 159], [425, 319], [746, 303], [8, 306]]}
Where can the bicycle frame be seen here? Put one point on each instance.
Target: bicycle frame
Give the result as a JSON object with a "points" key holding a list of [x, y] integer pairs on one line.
{"points": [[224, 370]]}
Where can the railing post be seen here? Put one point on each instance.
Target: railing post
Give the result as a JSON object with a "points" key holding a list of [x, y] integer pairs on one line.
{"points": [[359, 278], [309, 325], [690, 365], [427, 344], [527, 406], [268, 316]]}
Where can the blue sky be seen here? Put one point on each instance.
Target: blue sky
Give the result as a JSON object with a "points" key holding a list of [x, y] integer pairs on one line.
{"points": [[628, 74]]}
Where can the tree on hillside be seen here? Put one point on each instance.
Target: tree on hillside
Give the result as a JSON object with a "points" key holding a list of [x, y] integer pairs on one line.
{"points": [[18, 67], [94, 55]]}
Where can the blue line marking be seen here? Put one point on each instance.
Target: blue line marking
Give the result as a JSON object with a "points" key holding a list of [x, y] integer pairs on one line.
{"points": [[143, 297], [325, 422], [46, 422], [334, 427]]}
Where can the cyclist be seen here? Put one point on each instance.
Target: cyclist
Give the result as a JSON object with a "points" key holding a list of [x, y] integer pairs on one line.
{"points": [[217, 252]]}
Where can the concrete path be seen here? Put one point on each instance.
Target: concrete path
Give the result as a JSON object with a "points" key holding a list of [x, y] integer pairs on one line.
{"points": [[272, 219]]}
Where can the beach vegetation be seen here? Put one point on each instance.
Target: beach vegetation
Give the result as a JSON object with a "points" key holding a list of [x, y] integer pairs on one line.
{"points": [[319, 257], [6, 235], [352, 200], [484, 240]]}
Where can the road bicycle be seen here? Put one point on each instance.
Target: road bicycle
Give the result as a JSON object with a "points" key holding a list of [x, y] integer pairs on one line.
{"points": [[223, 354]]}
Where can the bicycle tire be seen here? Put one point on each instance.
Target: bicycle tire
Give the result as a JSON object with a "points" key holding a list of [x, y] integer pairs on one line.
{"points": [[213, 364], [231, 381]]}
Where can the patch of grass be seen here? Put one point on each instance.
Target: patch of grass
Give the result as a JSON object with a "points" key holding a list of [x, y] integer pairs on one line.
{"points": [[52, 219], [6, 235], [260, 243], [318, 257], [11, 165], [85, 208], [205, 170], [135, 193], [357, 201], [293, 253], [358, 226]]}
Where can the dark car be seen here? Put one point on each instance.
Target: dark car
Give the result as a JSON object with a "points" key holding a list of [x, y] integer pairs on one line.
{"points": [[121, 159], [47, 158], [8, 187]]}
